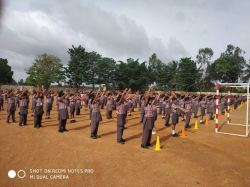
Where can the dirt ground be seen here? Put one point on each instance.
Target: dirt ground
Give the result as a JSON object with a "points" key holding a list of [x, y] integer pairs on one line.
{"points": [[204, 158]]}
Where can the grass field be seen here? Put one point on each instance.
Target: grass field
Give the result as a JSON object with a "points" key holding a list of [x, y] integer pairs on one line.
{"points": [[204, 158]]}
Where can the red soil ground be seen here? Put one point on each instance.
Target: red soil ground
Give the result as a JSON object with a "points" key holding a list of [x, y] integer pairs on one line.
{"points": [[204, 158]]}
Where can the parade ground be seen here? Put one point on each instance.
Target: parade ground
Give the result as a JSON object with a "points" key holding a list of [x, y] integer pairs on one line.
{"points": [[49, 158]]}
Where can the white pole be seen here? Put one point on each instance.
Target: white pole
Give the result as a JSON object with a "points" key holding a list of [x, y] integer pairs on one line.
{"points": [[247, 110]]}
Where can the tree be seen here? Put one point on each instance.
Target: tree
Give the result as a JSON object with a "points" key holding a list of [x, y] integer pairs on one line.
{"points": [[92, 63], [203, 58], [246, 73], [154, 68], [45, 70], [173, 69], [188, 74], [21, 82], [5, 72], [77, 66], [132, 75], [106, 72], [234, 57]]}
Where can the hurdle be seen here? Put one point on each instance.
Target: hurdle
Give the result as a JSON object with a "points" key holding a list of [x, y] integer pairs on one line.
{"points": [[229, 85]]}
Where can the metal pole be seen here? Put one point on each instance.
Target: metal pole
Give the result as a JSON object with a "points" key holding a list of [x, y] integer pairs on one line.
{"points": [[247, 110], [217, 106], [228, 104]]}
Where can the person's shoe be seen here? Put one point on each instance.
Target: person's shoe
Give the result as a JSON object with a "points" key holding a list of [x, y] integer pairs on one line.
{"points": [[14, 121], [129, 115], [2, 109], [41, 126], [120, 142], [141, 121], [98, 136], [20, 125], [202, 122], [61, 131], [123, 140], [210, 118], [144, 147], [32, 115], [125, 127], [36, 127], [108, 118], [26, 124], [195, 117], [149, 145], [49, 117], [167, 125], [19, 113], [65, 130], [71, 121], [153, 132], [93, 137], [139, 109], [46, 117], [175, 135], [183, 120], [74, 121], [8, 122], [187, 126]]}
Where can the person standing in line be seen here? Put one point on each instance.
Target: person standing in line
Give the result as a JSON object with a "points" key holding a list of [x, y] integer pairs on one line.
{"points": [[160, 103], [175, 118], [154, 106], [23, 101], [148, 120], [48, 107], [121, 117], [39, 108], [168, 111], [163, 106], [86, 100], [142, 103], [11, 107], [188, 108], [181, 104], [196, 107], [78, 104], [91, 98], [1, 99], [203, 105], [63, 114], [72, 107], [96, 117], [34, 95], [211, 108], [109, 106]]}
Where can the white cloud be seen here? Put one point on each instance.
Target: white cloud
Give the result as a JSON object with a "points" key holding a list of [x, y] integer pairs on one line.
{"points": [[121, 29]]}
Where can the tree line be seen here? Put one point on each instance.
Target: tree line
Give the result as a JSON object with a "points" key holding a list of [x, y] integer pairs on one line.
{"points": [[92, 69]]}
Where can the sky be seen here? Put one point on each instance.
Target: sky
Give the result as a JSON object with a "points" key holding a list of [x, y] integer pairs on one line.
{"points": [[121, 29]]}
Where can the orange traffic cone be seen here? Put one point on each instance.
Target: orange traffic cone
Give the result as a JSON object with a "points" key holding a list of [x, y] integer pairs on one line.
{"points": [[206, 121], [233, 108], [220, 115], [183, 135]]}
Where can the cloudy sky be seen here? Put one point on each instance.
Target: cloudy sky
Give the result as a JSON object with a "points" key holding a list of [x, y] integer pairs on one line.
{"points": [[121, 28]]}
